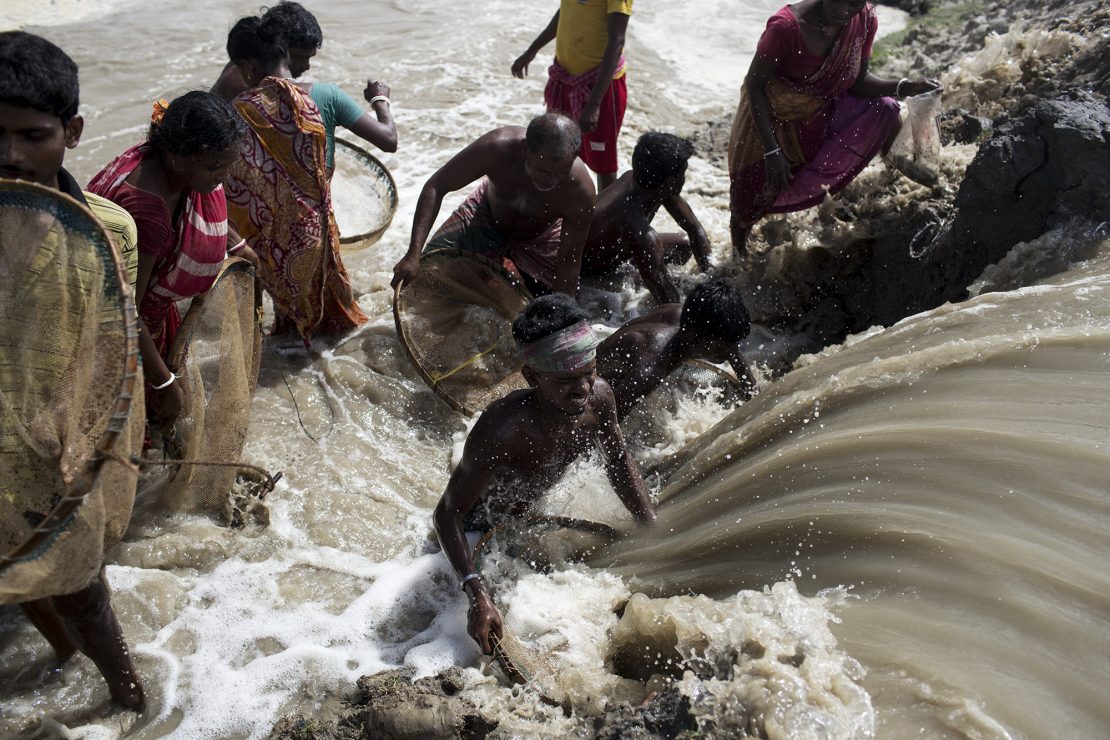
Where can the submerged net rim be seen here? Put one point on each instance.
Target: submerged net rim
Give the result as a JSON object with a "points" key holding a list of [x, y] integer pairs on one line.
{"points": [[370, 238], [57, 519], [406, 339]]}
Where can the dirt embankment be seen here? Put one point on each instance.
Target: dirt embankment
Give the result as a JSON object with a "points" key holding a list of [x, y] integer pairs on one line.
{"points": [[886, 247]]}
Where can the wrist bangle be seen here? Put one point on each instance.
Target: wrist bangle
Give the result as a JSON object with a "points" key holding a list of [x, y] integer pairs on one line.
{"points": [[376, 98], [471, 577], [773, 152], [232, 251], [165, 385], [898, 87]]}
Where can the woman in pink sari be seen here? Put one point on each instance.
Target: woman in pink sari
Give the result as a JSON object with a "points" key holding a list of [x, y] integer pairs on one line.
{"points": [[171, 186], [811, 115]]}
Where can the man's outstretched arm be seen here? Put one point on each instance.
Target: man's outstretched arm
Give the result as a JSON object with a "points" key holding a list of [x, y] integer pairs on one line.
{"points": [[621, 469], [616, 28], [547, 35], [684, 216], [648, 259], [468, 482], [472, 163]]}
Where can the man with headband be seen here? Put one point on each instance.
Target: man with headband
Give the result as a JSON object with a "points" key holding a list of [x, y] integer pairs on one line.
{"points": [[523, 443], [532, 205]]}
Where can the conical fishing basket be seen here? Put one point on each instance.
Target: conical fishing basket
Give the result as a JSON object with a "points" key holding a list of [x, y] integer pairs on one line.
{"points": [[363, 197], [68, 369], [521, 658], [216, 354], [454, 321]]}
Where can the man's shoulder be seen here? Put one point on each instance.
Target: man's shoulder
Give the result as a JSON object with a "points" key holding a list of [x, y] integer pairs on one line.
{"points": [[504, 419]]}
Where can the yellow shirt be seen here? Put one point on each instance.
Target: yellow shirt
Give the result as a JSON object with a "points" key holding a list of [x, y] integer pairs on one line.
{"points": [[121, 227], [583, 32]]}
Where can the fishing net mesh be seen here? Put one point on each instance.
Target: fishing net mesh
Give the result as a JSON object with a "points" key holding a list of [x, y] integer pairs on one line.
{"points": [[363, 196], [455, 324], [68, 364], [216, 354]]}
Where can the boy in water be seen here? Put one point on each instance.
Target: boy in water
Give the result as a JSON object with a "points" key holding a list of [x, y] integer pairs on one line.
{"points": [[524, 442], [621, 229], [639, 356], [38, 122]]}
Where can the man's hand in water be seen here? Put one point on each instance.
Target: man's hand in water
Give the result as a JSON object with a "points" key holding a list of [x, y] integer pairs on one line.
{"points": [[406, 270], [484, 621]]}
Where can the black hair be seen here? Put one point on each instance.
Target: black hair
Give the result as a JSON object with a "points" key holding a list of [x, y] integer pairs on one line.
{"points": [[546, 315], [35, 73], [658, 156], [198, 122], [715, 310], [554, 133], [294, 24], [248, 39]]}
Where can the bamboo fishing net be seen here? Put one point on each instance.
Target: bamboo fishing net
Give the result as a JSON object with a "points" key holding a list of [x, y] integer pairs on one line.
{"points": [[68, 368], [522, 658], [216, 354], [363, 196], [455, 324]]}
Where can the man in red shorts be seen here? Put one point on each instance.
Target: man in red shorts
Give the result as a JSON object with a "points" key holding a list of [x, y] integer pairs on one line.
{"points": [[587, 79]]}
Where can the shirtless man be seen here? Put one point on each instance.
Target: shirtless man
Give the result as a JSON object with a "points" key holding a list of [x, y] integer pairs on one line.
{"points": [[639, 356], [533, 206], [38, 121], [621, 229], [525, 441]]}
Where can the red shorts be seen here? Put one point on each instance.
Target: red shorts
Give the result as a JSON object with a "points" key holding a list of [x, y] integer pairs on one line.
{"points": [[599, 147]]}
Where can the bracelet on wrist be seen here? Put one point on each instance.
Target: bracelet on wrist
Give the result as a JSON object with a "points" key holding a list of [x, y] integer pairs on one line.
{"points": [[773, 152], [379, 98], [467, 579], [165, 385], [232, 251], [898, 87]]}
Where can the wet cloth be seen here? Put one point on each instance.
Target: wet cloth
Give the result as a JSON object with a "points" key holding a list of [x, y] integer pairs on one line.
{"points": [[471, 227], [827, 134], [563, 351], [279, 200], [568, 94], [337, 108], [187, 253]]}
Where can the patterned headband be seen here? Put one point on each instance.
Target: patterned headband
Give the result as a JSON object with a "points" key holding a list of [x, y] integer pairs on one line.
{"points": [[564, 351]]}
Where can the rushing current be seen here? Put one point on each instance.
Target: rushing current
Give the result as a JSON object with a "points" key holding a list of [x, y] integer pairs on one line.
{"points": [[903, 536]]}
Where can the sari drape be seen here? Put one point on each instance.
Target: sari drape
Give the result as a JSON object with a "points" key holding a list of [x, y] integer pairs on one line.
{"points": [[827, 133], [279, 200]]}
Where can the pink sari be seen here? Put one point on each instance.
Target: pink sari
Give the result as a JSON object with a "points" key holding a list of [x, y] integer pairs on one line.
{"points": [[827, 133]]}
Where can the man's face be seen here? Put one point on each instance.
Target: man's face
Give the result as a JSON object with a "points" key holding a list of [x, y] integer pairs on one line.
{"points": [[674, 184], [546, 170], [300, 60], [33, 144], [210, 169], [569, 393]]}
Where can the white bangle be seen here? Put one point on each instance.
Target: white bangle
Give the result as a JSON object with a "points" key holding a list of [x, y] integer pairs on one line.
{"points": [[376, 98], [898, 87], [165, 385], [470, 577], [773, 152], [232, 251]]}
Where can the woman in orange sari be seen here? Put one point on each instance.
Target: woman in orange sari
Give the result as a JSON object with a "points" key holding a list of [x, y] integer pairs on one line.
{"points": [[279, 194], [811, 115]]}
